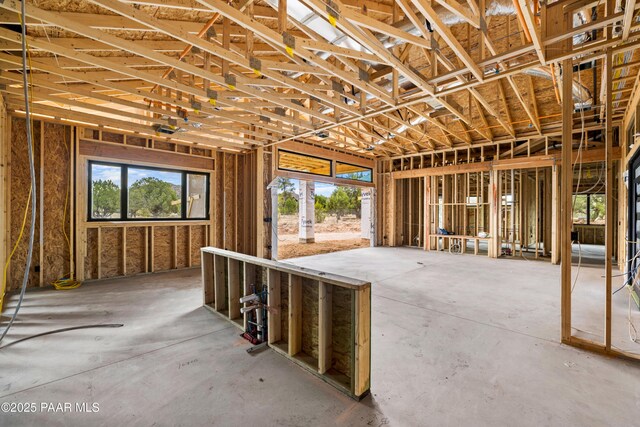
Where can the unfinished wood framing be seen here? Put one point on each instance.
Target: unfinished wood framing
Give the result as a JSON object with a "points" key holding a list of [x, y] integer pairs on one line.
{"points": [[327, 318], [481, 126]]}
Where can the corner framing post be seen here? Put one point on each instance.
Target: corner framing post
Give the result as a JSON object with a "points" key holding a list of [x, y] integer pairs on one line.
{"points": [[426, 241], [260, 244], [495, 210], [609, 186], [555, 215], [565, 200], [392, 210], [274, 222]]}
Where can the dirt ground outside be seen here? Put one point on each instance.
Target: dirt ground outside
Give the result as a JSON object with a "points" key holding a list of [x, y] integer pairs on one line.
{"points": [[331, 235]]}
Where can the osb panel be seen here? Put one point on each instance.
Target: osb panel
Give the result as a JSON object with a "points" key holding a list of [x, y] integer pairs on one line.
{"points": [[341, 328], [284, 306], [137, 141], [20, 182], [55, 263], [111, 252], [112, 137], [229, 202], [388, 230], [198, 151], [162, 248], [267, 212], [310, 317], [136, 250], [183, 149], [198, 240], [91, 260], [163, 145], [218, 205], [182, 258], [242, 203], [260, 278]]}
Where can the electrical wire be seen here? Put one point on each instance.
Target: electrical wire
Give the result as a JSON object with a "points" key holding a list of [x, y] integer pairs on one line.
{"points": [[69, 281], [26, 207], [57, 331], [575, 281], [573, 169], [15, 247], [32, 171]]}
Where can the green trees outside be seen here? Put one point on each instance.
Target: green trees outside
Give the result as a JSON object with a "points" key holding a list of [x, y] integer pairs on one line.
{"points": [[105, 199], [580, 209], [339, 202], [287, 201], [151, 197], [320, 208], [342, 201], [596, 206]]}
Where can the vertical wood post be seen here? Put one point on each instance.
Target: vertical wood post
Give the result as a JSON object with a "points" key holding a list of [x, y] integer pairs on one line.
{"points": [[609, 188], [274, 321], [555, 215], [233, 281], [566, 192]]}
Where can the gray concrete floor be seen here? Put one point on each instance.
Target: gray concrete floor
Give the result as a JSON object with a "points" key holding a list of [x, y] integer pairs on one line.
{"points": [[457, 340]]}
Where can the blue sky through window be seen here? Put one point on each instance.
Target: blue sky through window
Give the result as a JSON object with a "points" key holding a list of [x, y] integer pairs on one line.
{"points": [[170, 177], [321, 188], [112, 173], [105, 173]]}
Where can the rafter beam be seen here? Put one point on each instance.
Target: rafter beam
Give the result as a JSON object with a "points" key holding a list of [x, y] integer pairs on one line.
{"points": [[527, 16], [425, 8], [276, 39], [369, 41]]}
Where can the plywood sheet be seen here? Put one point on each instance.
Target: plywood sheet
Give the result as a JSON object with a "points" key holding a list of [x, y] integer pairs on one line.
{"points": [[136, 140], [229, 202], [55, 263], [91, 259], [112, 137], [342, 330], [163, 145], [111, 252], [310, 317], [182, 254], [162, 248], [284, 306], [136, 250], [198, 240], [20, 183]]}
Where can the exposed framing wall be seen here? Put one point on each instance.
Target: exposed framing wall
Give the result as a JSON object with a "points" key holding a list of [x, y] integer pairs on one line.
{"points": [[414, 189], [5, 138], [113, 249]]}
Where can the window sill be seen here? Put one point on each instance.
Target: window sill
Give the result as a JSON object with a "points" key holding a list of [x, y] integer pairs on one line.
{"points": [[146, 223]]}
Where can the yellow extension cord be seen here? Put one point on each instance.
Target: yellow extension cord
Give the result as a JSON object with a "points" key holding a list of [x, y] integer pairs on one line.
{"points": [[15, 246], [68, 282]]}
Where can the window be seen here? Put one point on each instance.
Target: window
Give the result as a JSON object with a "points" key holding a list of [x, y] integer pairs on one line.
{"points": [[580, 209], [597, 209], [295, 162], [121, 192], [589, 209], [106, 185], [353, 172]]}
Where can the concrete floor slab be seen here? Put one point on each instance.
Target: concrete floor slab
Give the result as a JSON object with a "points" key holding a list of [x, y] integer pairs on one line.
{"points": [[456, 340]]}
